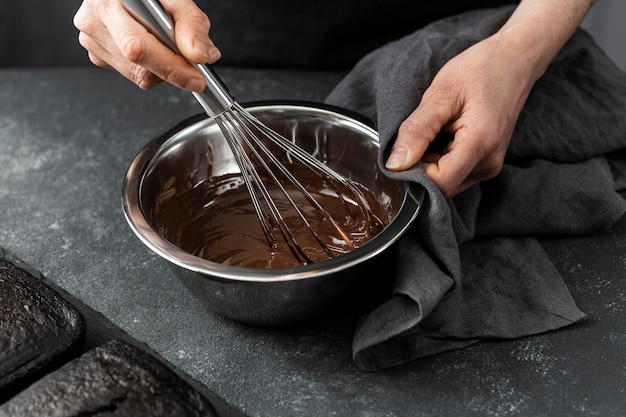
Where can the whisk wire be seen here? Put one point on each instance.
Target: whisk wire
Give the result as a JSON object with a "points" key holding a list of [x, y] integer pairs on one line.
{"points": [[306, 159], [242, 159], [255, 144], [310, 162], [238, 135], [242, 132]]}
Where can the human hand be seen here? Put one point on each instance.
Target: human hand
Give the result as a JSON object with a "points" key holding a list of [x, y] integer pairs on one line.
{"points": [[114, 39], [476, 97]]}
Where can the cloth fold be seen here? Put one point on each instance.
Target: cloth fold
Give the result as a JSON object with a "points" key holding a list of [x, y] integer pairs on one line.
{"points": [[471, 267]]}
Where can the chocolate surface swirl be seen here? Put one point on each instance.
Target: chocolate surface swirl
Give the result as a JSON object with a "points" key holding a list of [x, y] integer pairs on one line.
{"points": [[215, 220]]}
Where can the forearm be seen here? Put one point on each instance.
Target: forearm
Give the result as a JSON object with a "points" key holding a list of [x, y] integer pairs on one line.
{"points": [[538, 29]]}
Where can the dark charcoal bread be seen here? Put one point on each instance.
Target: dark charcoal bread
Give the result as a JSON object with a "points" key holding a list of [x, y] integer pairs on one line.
{"points": [[37, 326], [116, 379]]}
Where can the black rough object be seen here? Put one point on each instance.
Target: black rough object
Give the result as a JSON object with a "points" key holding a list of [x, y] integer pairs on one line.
{"points": [[37, 326], [116, 379]]}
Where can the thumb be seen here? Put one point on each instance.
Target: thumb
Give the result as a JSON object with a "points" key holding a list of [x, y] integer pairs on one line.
{"points": [[191, 29], [417, 132]]}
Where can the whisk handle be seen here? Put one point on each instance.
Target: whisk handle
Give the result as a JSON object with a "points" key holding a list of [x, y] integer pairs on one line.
{"points": [[215, 99]]}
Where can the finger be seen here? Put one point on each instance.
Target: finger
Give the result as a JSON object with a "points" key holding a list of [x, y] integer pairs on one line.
{"points": [[91, 29], [101, 57], [418, 131], [451, 172], [450, 191], [97, 54], [192, 31], [147, 53]]}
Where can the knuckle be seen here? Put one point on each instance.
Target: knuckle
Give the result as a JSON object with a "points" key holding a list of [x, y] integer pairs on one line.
{"points": [[494, 168], [133, 48], [421, 123], [198, 18], [97, 61], [190, 12], [79, 20], [490, 171], [410, 127], [84, 40], [442, 95], [84, 25], [489, 167]]}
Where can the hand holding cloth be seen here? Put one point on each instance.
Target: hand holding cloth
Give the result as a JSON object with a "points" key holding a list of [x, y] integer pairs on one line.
{"points": [[471, 267]]}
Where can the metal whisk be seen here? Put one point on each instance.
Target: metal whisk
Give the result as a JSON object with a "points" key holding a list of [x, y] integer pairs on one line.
{"points": [[247, 138]]}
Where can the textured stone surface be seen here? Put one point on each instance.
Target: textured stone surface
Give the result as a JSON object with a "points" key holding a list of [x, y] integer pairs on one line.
{"points": [[37, 325], [19, 285], [62, 162], [116, 380]]}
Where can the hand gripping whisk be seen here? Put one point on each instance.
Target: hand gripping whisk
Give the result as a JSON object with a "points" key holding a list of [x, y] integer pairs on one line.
{"points": [[262, 154]]}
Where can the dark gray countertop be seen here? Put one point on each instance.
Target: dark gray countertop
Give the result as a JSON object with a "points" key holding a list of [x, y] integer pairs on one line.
{"points": [[66, 139]]}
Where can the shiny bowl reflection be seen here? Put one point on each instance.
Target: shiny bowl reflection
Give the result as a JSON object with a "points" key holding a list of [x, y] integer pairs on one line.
{"points": [[271, 296]]}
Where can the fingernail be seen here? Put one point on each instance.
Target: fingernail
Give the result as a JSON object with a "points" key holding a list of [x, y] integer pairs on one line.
{"points": [[396, 158], [214, 54], [194, 84], [201, 46]]}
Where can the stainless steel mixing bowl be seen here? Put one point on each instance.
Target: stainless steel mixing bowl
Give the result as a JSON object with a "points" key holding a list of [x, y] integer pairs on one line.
{"points": [[271, 296]]}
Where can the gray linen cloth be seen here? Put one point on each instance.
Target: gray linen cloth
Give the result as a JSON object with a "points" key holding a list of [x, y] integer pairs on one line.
{"points": [[471, 267]]}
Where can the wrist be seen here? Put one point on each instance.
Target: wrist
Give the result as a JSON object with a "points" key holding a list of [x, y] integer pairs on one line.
{"points": [[538, 29]]}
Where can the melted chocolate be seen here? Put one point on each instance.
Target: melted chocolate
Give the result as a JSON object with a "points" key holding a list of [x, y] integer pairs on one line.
{"points": [[216, 220]]}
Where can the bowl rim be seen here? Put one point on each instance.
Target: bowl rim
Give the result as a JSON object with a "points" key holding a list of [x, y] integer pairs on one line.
{"points": [[133, 211]]}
